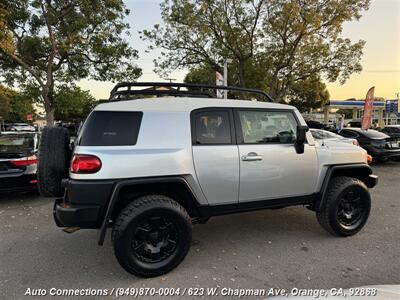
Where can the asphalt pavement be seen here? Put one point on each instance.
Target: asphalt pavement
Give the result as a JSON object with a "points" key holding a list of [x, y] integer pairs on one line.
{"points": [[282, 248]]}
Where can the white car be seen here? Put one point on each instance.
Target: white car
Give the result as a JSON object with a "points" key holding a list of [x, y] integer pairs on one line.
{"points": [[324, 135]]}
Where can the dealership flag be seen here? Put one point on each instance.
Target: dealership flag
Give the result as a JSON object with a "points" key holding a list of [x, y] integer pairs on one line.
{"points": [[369, 103], [219, 80]]}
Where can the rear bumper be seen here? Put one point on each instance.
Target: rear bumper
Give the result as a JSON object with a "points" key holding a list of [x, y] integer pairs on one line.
{"points": [[17, 183], [84, 204], [66, 215]]}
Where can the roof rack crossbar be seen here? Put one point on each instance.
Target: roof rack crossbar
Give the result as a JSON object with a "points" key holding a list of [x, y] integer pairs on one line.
{"points": [[197, 90], [119, 95]]}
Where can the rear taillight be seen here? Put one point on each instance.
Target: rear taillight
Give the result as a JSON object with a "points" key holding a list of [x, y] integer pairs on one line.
{"points": [[26, 161], [85, 164]]}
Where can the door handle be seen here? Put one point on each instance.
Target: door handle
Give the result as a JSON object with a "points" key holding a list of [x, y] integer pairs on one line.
{"points": [[252, 156]]}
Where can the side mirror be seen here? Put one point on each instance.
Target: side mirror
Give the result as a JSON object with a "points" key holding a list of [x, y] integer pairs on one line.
{"points": [[300, 138]]}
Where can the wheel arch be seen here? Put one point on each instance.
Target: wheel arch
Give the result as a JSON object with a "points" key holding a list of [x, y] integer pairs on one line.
{"points": [[124, 192], [362, 172]]}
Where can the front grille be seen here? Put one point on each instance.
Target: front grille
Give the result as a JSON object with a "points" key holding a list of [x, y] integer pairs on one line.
{"points": [[393, 144]]}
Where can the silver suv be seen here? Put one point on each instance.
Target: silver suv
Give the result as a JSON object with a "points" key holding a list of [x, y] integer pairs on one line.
{"points": [[151, 167]]}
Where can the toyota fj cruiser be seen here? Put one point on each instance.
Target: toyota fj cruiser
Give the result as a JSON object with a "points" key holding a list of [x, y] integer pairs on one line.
{"points": [[151, 167]]}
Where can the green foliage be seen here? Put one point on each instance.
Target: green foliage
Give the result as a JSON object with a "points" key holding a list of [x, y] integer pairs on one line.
{"points": [[202, 74], [5, 98], [308, 94], [14, 106], [21, 106], [273, 44], [49, 43], [73, 104]]}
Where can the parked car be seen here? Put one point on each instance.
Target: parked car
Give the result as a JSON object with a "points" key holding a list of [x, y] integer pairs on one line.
{"points": [[392, 130], [20, 127], [152, 167], [379, 145], [325, 135], [318, 125], [18, 161], [354, 124]]}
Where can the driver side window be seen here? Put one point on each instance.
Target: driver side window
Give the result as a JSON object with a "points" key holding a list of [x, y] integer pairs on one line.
{"points": [[262, 127]]}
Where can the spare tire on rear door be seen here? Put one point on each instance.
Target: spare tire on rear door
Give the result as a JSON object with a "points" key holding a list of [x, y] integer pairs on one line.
{"points": [[54, 157]]}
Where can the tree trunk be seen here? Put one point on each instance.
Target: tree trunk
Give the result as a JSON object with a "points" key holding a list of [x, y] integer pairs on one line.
{"points": [[49, 109], [50, 117]]}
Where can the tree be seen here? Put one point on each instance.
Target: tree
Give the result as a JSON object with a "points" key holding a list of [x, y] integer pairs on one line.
{"points": [[203, 74], [273, 44], [206, 32], [73, 103], [49, 43], [308, 94], [304, 40], [14, 106], [5, 98]]}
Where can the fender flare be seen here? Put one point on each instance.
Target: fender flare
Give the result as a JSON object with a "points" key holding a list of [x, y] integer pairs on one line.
{"points": [[360, 171], [132, 182]]}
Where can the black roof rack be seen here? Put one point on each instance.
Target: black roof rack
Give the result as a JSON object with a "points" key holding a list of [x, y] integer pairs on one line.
{"points": [[124, 91]]}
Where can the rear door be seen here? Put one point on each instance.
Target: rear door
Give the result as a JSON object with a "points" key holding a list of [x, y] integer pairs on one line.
{"points": [[215, 154], [270, 167]]}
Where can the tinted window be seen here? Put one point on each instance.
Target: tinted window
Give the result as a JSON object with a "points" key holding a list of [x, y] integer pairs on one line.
{"points": [[111, 128], [348, 134], [17, 143], [212, 127], [267, 127]]}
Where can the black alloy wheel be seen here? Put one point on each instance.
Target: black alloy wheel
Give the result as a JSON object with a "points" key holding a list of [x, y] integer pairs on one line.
{"points": [[155, 239], [346, 206], [152, 235], [351, 209]]}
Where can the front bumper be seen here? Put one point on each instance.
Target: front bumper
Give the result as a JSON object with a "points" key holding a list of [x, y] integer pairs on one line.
{"points": [[371, 181], [384, 153], [83, 216]]}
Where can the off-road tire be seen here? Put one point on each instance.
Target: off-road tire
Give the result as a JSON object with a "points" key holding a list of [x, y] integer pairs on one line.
{"points": [[131, 218], [328, 214], [54, 157]]}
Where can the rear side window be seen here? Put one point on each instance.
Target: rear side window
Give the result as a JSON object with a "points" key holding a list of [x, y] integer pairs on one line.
{"points": [[111, 128], [212, 128]]}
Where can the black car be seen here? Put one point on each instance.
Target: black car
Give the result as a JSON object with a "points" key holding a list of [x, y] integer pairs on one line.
{"points": [[392, 130], [379, 145], [18, 161]]}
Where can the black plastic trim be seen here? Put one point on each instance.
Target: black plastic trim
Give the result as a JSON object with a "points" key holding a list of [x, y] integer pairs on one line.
{"points": [[194, 90], [83, 216], [216, 210], [131, 182], [369, 180]]}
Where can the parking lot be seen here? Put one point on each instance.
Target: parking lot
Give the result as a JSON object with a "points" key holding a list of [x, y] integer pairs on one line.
{"points": [[283, 248]]}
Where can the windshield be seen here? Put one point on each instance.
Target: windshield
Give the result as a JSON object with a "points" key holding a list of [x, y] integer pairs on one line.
{"points": [[16, 143]]}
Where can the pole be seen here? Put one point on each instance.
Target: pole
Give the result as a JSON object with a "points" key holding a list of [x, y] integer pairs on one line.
{"points": [[226, 78]]}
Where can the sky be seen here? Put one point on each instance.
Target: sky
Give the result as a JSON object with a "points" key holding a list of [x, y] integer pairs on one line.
{"points": [[379, 27]]}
